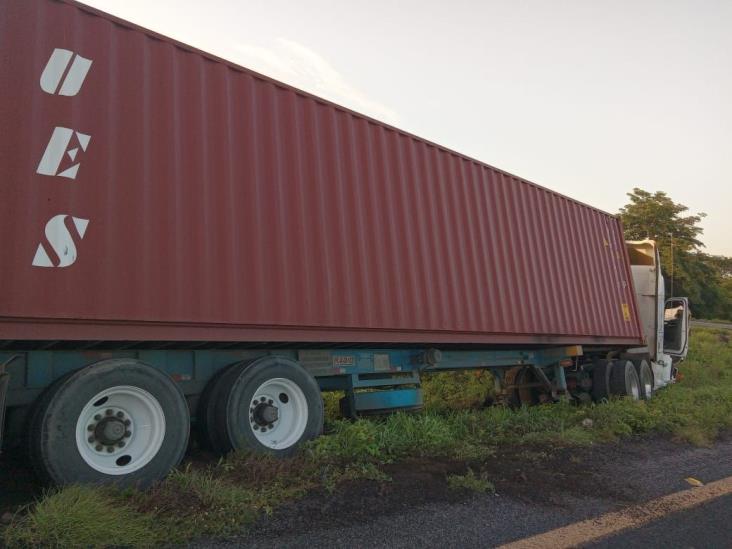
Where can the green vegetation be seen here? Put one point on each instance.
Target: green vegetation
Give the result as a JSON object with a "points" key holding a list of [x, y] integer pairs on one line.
{"points": [[705, 279], [223, 498], [446, 391], [469, 481], [81, 517]]}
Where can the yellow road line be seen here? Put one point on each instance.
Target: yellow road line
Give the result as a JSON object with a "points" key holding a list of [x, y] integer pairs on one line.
{"points": [[631, 517]]}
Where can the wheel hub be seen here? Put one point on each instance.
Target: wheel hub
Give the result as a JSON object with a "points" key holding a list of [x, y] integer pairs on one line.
{"points": [[110, 431], [265, 414]]}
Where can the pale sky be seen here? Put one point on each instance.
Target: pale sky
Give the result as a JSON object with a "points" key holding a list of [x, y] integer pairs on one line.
{"points": [[585, 97]]}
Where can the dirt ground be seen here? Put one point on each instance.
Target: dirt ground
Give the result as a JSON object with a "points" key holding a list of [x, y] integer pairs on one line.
{"points": [[550, 480], [519, 471], [526, 473], [535, 491]]}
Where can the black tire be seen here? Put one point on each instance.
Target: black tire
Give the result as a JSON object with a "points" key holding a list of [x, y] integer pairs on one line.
{"points": [[34, 420], [54, 451], [624, 380], [216, 419], [601, 372], [646, 379], [211, 434], [243, 382]]}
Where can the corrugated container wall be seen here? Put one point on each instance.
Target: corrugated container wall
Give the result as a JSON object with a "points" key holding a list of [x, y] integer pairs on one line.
{"points": [[153, 192]]}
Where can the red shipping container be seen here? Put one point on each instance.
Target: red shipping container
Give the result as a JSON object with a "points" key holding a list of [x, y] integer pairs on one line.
{"points": [[154, 192]]}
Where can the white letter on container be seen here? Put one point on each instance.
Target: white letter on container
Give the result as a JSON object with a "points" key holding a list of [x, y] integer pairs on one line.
{"points": [[60, 239], [54, 153], [53, 74]]}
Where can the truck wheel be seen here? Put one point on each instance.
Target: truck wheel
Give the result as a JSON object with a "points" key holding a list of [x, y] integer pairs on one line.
{"points": [[273, 404], [645, 376], [212, 435], [116, 421], [601, 373], [624, 380]]}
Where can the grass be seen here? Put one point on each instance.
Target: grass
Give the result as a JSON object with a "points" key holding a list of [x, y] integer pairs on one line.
{"points": [[223, 498], [471, 482], [81, 516]]}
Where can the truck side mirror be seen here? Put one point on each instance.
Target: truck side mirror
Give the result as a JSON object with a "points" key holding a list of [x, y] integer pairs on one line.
{"points": [[676, 328]]}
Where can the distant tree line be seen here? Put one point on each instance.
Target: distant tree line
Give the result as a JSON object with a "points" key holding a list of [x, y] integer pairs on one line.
{"points": [[689, 272]]}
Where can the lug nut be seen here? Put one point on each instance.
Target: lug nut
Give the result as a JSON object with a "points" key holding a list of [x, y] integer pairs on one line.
{"points": [[91, 439], [256, 427], [262, 399], [128, 423], [90, 428], [121, 444], [120, 415], [109, 411], [110, 449], [98, 447], [269, 401], [97, 417], [254, 403], [128, 434]]}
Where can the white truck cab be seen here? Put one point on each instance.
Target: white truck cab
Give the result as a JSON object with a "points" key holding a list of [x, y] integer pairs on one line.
{"points": [[665, 321]]}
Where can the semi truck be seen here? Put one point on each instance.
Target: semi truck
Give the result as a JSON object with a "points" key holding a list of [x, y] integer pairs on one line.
{"points": [[187, 243]]}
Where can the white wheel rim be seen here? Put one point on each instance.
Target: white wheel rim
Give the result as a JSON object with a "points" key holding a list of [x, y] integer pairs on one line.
{"points": [[291, 413], [120, 430], [635, 384], [647, 383]]}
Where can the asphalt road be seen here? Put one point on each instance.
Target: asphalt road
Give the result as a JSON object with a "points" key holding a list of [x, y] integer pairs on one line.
{"points": [[708, 525], [710, 324], [589, 484]]}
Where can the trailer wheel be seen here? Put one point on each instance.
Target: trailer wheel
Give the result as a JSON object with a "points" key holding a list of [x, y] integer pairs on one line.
{"points": [[601, 373], [624, 380], [645, 376], [212, 432], [273, 404], [116, 421]]}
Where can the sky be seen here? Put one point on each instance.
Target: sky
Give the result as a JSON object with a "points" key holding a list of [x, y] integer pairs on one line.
{"points": [[584, 97]]}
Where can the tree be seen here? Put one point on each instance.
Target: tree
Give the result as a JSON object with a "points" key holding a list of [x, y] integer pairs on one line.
{"points": [[657, 217], [725, 308], [703, 278], [724, 264]]}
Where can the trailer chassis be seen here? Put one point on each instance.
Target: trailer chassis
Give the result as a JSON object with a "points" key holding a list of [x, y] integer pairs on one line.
{"points": [[107, 420], [374, 380]]}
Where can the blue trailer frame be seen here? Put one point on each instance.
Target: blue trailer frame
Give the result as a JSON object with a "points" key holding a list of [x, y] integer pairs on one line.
{"points": [[372, 379]]}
